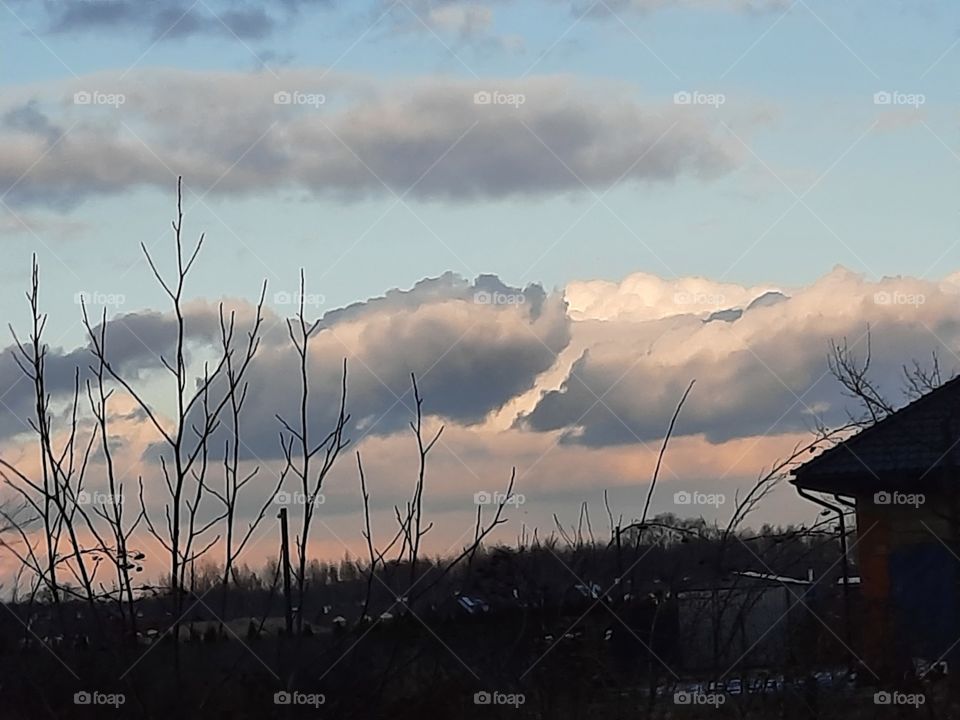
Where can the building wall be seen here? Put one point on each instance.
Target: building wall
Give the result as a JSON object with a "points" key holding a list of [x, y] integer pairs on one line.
{"points": [[908, 583]]}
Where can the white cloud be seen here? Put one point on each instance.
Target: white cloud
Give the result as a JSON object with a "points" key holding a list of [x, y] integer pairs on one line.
{"points": [[762, 373], [644, 296]]}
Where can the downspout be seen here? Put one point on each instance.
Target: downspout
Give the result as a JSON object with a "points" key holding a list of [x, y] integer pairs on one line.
{"points": [[845, 565]]}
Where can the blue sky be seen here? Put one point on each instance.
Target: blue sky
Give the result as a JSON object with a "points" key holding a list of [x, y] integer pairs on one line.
{"points": [[808, 73]]}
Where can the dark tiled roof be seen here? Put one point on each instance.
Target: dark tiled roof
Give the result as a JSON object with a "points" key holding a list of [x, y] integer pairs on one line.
{"points": [[907, 446]]}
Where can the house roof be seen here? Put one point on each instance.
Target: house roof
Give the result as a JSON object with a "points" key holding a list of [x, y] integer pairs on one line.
{"points": [[903, 450]]}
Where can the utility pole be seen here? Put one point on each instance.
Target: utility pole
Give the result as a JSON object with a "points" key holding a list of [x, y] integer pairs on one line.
{"points": [[285, 559]]}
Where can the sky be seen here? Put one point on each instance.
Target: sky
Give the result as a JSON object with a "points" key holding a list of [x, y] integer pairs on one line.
{"points": [[537, 207]]}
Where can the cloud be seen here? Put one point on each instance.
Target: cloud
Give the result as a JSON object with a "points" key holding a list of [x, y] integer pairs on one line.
{"points": [[462, 19], [762, 373], [347, 136], [601, 364], [173, 19], [135, 341], [29, 119], [575, 388], [51, 226], [473, 346], [455, 21], [644, 296], [609, 7]]}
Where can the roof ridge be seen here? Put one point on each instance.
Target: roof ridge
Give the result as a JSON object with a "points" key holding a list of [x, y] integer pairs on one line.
{"points": [[867, 432]]}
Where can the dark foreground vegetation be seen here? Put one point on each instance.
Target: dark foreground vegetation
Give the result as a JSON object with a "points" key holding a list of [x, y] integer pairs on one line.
{"points": [[546, 630]]}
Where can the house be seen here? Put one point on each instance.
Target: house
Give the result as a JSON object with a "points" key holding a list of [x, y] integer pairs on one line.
{"points": [[901, 475]]}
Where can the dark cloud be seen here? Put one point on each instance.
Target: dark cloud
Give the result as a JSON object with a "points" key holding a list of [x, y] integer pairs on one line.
{"points": [[172, 19], [473, 350], [30, 119], [427, 138], [474, 347], [136, 342]]}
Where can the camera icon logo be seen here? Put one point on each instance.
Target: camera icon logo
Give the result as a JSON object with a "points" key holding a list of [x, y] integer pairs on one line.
{"points": [[882, 98], [482, 698], [282, 97], [82, 698], [682, 498], [282, 697]]}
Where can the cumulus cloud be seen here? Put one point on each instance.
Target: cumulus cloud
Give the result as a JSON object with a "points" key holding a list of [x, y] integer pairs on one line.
{"points": [[575, 388], [473, 346], [346, 136], [764, 372], [599, 365], [644, 296]]}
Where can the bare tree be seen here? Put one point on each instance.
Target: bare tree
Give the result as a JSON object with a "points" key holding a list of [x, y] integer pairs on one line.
{"points": [[186, 437], [236, 387], [53, 496], [125, 561], [854, 375], [311, 478], [919, 380], [411, 524]]}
